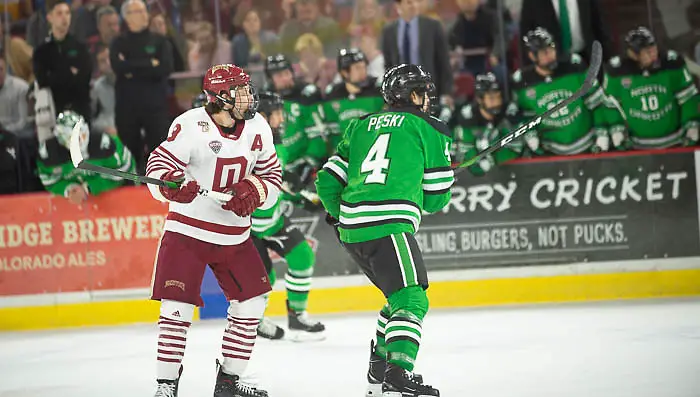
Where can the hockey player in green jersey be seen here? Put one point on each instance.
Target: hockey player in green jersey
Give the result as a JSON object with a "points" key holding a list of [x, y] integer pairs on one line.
{"points": [[302, 135], [272, 230], [59, 175], [577, 128], [389, 168], [652, 100], [480, 124], [357, 95]]}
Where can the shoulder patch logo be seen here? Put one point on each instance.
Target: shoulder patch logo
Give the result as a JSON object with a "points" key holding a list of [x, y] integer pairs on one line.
{"points": [[204, 125], [336, 106], [530, 93], [215, 146], [626, 82]]}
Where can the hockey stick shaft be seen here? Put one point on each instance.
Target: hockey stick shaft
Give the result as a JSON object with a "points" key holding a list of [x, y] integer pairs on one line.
{"points": [[76, 156], [589, 81]]}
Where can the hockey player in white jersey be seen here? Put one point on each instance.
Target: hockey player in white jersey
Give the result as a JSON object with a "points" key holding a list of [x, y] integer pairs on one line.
{"points": [[224, 146]]}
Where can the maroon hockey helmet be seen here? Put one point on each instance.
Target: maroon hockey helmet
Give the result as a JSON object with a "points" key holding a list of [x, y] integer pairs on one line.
{"points": [[225, 79]]}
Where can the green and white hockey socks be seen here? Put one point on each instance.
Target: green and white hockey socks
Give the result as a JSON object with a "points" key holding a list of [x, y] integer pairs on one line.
{"points": [[300, 262], [404, 329], [382, 320]]}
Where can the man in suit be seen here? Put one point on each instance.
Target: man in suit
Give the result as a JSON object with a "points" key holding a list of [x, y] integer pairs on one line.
{"points": [[583, 24], [419, 40]]}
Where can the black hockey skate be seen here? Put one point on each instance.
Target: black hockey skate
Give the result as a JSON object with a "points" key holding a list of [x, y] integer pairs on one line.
{"points": [[269, 330], [168, 387], [231, 386], [302, 329], [375, 374], [401, 383]]}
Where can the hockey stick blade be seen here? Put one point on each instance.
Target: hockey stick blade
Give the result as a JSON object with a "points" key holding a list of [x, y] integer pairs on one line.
{"points": [[76, 156], [588, 82]]}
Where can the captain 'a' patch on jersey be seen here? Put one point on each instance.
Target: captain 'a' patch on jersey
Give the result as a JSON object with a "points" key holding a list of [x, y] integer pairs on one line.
{"points": [[216, 159], [389, 168]]}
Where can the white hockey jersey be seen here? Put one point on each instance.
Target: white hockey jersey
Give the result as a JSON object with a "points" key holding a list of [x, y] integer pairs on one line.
{"points": [[216, 160]]}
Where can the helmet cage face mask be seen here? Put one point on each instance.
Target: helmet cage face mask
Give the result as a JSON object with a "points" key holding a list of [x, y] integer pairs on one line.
{"points": [[236, 98], [63, 130]]}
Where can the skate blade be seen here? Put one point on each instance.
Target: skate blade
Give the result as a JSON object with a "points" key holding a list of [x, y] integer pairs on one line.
{"points": [[399, 394], [303, 336], [374, 390]]}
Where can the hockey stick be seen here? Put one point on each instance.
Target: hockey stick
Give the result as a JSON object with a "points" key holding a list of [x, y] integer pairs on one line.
{"points": [[588, 82], [76, 156]]}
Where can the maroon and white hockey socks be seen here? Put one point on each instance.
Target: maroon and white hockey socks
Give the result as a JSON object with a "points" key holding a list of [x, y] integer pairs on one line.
{"points": [[175, 319], [240, 334]]}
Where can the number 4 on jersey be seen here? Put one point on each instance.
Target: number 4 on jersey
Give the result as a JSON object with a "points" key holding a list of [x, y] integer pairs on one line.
{"points": [[376, 163]]}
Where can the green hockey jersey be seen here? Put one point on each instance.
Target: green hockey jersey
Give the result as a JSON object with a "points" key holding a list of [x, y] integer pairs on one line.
{"points": [[57, 172], [472, 133], [268, 222], [303, 126], [655, 107], [572, 129], [340, 108], [389, 168]]}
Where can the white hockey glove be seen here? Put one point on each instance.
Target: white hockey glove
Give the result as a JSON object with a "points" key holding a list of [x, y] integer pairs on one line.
{"points": [[692, 130], [602, 141]]}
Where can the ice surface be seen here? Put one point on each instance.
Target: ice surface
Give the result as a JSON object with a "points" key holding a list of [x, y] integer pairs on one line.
{"points": [[630, 349]]}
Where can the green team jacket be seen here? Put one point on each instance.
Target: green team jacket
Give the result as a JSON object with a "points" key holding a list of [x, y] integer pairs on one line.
{"points": [[389, 168], [656, 107], [303, 125], [573, 129], [57, 172], [340, 108], [472, 133]]}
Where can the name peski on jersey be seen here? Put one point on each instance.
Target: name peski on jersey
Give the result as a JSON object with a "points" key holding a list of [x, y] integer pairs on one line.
{"points": [[197, 146]]}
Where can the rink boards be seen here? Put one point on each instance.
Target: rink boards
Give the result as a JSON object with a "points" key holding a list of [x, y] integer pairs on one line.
{"points": [[568, 229]]}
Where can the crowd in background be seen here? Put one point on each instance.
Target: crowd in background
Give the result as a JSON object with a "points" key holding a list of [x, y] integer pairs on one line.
{"points": [[458, 40]]}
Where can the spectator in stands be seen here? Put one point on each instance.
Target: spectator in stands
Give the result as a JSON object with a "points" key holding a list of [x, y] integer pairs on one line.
{"points": [[402, 43], [9, 165], [142, 62], [37, 26], [367, 40], [102, 95], [160, 25], [313, 67], [309, 20], [86, 19], [13, 102], [63, 64], [208, 49], [193, 13], [367, 14], [107, 29], [254, 44], [584, 23], [427, 8], [477, 39], [19, 59]]}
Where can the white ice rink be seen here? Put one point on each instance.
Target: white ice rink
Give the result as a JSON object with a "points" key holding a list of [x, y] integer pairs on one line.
{"points": [[631, 349]]}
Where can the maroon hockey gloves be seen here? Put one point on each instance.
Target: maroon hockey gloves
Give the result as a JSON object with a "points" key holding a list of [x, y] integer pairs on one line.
{"points": [[185, 193], [248, 195]]}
